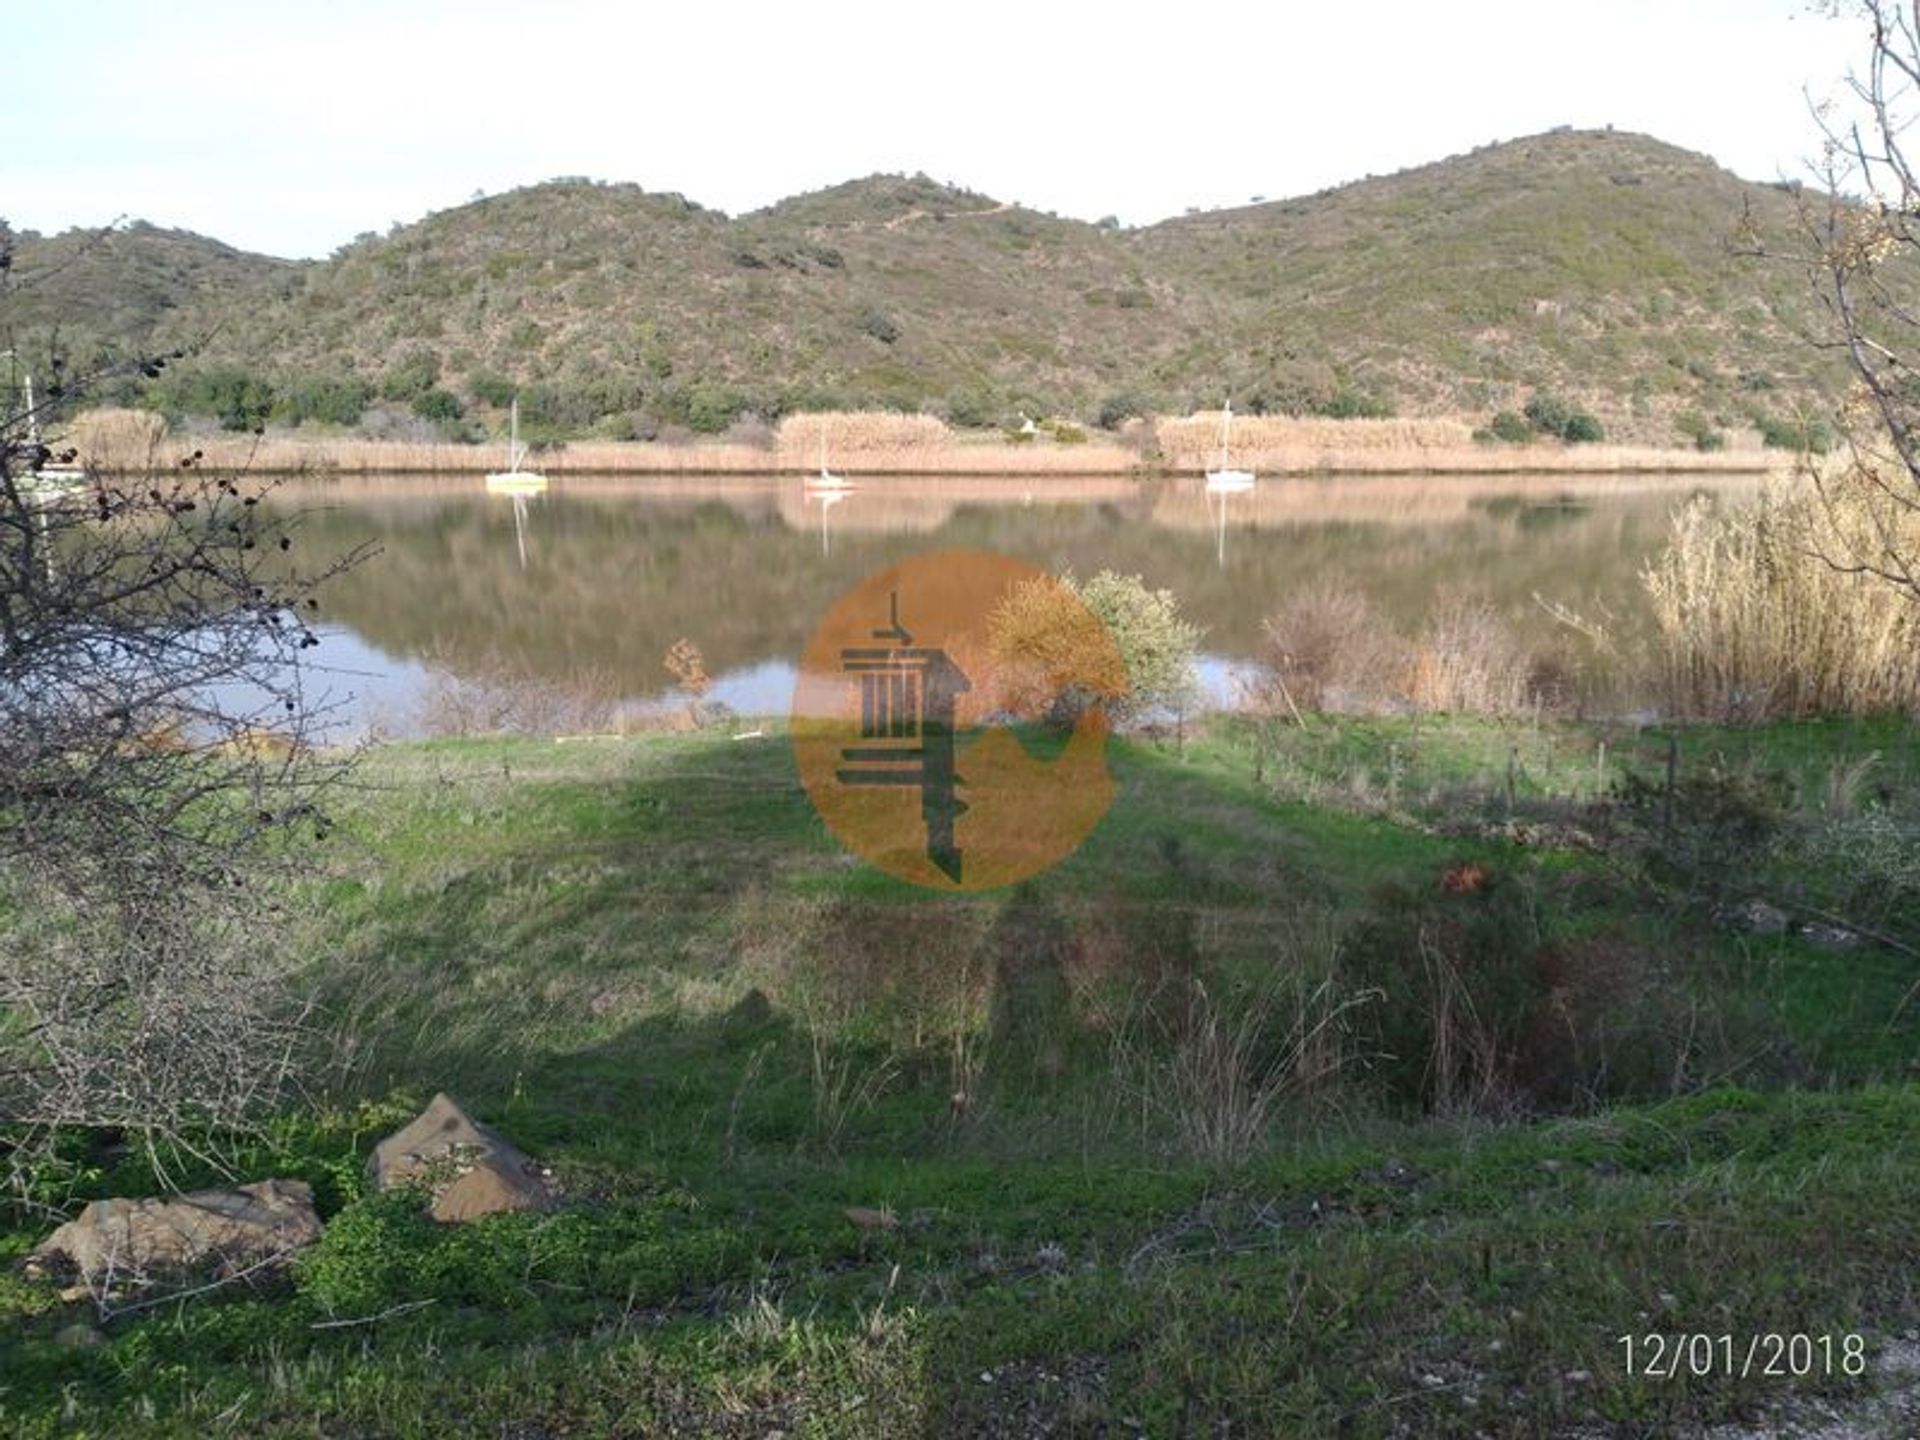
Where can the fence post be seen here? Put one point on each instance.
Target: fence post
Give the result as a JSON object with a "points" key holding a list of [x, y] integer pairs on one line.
{"points": [[1673, 776]]}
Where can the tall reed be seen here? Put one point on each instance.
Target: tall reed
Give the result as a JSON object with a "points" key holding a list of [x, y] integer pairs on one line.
{"points": [[1762, 611]]}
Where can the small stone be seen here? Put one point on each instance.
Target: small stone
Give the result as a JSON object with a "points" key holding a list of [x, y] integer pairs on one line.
{"points": [[1578, 1377], [78, 1336], [869, 1219], [1835, 939], [74, 1294], [1757, 917]]}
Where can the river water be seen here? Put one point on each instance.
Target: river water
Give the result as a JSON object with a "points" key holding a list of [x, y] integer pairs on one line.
{"points": [[586, 587]]}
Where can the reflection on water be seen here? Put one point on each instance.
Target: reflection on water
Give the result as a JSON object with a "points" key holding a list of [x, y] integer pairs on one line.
{"points": [[602, 576]]}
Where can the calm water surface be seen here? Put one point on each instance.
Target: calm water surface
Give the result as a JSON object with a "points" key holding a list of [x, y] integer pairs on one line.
{"points": [[589, 584]]}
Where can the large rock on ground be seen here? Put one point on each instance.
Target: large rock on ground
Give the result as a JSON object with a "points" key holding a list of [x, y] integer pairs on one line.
{"points": [[216, 1232], [468, 1169]]}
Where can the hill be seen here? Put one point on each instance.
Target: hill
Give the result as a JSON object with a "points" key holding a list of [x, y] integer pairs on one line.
{"points": [[118, 285], [1593, 263]]}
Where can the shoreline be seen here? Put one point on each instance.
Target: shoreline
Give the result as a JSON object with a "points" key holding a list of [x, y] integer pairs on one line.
{"points": [[984, 461]]}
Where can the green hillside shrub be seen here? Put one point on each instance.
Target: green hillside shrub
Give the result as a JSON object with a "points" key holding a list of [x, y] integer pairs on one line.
{"points": [[1810, 436], [879, 325], [491, 389], [1509, 427], [438, 405], [325, 400], [411, 376]]}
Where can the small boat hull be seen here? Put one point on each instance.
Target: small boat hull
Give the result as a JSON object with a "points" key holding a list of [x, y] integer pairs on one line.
{"points": [[52, 484], [516, 482], [1229, 482]]}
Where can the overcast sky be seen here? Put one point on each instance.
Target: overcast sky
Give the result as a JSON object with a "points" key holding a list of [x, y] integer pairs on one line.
{"points": [[290, 127]]}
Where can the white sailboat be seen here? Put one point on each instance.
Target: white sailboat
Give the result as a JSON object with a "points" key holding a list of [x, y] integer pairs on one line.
{"points": [[514, 480], [1223, 479], [826, 479]]}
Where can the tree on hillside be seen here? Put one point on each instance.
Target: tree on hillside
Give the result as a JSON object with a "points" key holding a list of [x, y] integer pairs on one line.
{"points": [[157, 761], [1863, 229]]}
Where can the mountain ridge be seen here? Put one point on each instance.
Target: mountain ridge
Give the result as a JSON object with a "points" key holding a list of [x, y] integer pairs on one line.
{"points": [[1592, 263]]}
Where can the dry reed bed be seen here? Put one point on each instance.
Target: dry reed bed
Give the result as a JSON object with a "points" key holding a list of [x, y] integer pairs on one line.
{"points": [[960, 457], [1282, 445], [874, 444], [1195, 439], [373, 457], [857, 432]]}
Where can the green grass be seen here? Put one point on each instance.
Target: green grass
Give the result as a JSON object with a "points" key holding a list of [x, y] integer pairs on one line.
{"points": [[562, 936]]}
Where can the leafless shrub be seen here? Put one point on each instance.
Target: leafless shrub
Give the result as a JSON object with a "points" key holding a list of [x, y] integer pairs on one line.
{"points": [[1330, 648], [1468, 661], [495, 697], [158, 767]]}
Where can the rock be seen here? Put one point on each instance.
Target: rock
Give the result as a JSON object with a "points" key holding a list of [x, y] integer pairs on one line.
{"points": [[78, 1335], [868, 1219], [220, 1231], [1836, 939], [468, 1169], [1757, 917]]}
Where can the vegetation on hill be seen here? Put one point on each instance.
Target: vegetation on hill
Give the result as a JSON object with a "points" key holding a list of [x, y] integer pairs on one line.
{"points": [[1594, 267], [119, 285]]}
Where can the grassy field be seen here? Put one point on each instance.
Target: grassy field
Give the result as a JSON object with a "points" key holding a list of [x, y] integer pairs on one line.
{"points": [[646, 961]]}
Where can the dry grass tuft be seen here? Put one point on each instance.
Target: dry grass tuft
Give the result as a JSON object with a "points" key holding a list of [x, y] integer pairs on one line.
{"points": [[1468, 661]]}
